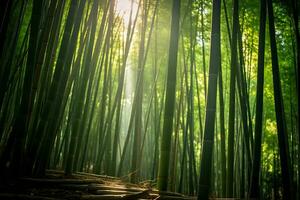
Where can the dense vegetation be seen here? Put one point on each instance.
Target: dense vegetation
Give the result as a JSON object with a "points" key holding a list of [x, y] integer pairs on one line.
{"points": [[198, 97]]}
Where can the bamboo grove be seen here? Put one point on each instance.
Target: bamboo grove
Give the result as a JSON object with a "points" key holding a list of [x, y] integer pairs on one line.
{"points": [[193, 96]]}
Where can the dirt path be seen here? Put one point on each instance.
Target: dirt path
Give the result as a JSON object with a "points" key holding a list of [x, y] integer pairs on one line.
{"points": [[57, 186]]}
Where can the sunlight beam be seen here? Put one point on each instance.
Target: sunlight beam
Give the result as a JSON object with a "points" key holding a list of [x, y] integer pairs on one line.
{"points": [[123, 8]]}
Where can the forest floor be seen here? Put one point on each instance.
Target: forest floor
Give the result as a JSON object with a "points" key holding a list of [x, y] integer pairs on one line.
{"points": [[82, 186]]}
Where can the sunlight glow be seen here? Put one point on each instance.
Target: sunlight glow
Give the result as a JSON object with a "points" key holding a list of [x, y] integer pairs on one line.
{"points": [[123, 8]]}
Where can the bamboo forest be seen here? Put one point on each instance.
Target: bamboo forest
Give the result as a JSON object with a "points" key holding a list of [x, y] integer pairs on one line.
{"points": [[149, 99]]}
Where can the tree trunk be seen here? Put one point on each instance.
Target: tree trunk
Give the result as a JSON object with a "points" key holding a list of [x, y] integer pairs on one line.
{"points": [[215, 64], [170, 99], [280, 114], [254, 184], [231, 131]]}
